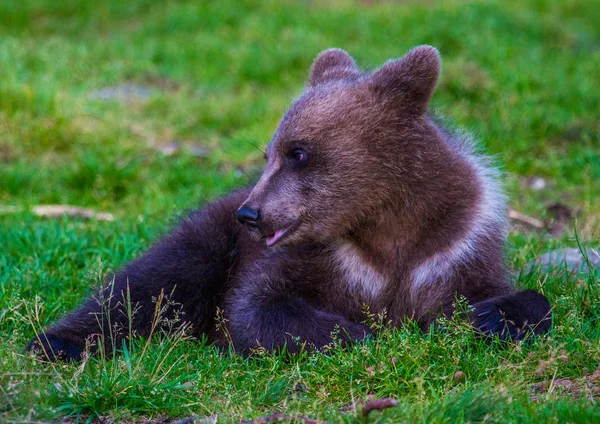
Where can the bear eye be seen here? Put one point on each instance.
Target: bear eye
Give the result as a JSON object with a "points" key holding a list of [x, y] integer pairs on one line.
{"points": [[298, 155]]}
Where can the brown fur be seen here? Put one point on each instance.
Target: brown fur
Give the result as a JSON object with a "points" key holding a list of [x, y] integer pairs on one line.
{"points": [[366, 200]]}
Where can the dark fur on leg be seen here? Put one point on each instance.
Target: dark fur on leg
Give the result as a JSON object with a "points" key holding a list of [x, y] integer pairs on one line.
{"points": [[189, 268], [282, 321], [513, 316]]}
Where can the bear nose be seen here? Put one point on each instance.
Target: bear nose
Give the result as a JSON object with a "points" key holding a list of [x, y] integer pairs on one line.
{"points": [[247, 216]]}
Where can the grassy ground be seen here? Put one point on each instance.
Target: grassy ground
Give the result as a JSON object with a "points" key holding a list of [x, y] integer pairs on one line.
{"points": [[523, 76]]}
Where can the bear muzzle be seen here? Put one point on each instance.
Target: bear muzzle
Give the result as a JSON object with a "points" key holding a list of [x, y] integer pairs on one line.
{"points": [[249, 217]]}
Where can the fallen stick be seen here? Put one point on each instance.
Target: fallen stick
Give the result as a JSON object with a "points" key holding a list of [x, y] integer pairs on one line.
{"points": [[57, 211], [524, 219], [378, 405]]}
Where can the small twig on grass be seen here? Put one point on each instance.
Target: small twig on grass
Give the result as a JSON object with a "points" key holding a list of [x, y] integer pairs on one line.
{"points": [[526, 220], [378, 405], [279, 417], [57, 211]]}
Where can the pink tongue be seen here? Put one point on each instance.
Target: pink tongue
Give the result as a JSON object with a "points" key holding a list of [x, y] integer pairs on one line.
{"points": [[273, 239]]}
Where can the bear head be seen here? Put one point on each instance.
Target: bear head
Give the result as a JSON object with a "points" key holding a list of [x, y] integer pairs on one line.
{"points": [[349, 146]]}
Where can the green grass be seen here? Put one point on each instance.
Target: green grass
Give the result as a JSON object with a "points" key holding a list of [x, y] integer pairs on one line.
{"points": [[522, 76]]}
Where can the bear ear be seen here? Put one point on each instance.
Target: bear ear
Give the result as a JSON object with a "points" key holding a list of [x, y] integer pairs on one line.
{"points": [[410, 80], [332, 64]]}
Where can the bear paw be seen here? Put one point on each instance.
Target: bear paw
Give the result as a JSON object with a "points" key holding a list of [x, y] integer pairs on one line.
{"points": [[491, 320], [54, 348], [514, 316]]}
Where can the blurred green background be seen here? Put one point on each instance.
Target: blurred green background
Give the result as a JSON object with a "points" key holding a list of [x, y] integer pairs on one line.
{"points": [[522, 76], [145, 109]]}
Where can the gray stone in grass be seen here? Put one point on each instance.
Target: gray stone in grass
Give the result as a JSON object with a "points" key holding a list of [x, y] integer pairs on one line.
{"points": [[570, 259], [199, 151], [174, 147], [122, 92], [537, 183], [169, 149]]}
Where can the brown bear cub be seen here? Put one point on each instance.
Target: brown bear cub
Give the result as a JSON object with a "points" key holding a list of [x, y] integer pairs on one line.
{"points": [[365, 200]]}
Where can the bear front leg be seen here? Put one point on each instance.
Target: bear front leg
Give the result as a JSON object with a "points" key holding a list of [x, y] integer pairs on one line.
{"points": [[188, 269], [272, 321], [513, 316]]}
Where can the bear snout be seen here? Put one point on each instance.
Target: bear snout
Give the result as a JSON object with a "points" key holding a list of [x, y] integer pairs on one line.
{"points": [[249, 217]]}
